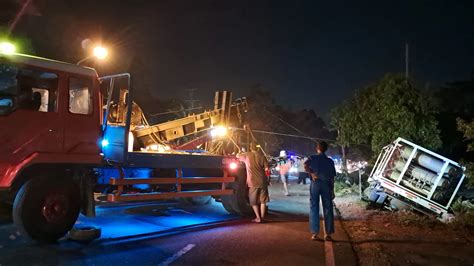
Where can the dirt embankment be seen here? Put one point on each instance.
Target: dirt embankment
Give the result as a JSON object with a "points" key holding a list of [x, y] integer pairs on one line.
{"points": [[404, 238]]}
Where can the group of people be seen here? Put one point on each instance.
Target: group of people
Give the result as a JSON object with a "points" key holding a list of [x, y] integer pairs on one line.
{"points": [[285, 166], [318, 167]]}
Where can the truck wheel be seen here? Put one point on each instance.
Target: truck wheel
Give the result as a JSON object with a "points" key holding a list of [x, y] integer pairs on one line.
{"points": [[239, 200], [45, 209], [226, 203]]}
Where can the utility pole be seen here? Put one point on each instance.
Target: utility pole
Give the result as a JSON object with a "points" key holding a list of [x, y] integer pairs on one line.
{"points": [[406, 61], [344, 156], [191, 101]]}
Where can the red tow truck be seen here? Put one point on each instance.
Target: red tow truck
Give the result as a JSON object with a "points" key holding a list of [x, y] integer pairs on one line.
{"points": [[61, 124]]}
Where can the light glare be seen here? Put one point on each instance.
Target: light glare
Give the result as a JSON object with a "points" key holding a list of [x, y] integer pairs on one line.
{"points": [[105, 143], [218, 132], [233, 165], [100, 52], [7, 48]]}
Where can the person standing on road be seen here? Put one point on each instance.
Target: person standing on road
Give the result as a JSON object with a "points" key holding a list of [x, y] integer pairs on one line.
{"points": [[322, 172], [257, 181], [302, 174], [284, 165]]}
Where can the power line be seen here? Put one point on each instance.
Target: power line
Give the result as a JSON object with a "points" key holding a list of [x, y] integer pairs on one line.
{"points": [[284, 134], [302, 134], [295, 136], [288, 124], [173, 112]]}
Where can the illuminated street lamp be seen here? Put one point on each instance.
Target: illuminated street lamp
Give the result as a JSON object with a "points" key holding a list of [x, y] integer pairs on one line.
{"points": [[7, 48], [99, 52]]}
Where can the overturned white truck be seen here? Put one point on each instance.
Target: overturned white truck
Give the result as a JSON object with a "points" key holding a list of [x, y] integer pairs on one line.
{"points": [[418, 177]]}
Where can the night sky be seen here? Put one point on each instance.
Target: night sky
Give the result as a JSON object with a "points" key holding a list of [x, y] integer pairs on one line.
{"points": [[311, 54]]}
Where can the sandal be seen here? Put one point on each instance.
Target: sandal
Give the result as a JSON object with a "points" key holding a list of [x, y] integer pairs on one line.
{"points": [[256, 220]]}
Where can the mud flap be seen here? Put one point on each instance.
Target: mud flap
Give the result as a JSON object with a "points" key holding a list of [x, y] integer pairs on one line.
{"points": [[87, 184]]}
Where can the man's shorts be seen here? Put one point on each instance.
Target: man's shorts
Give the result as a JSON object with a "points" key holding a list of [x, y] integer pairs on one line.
{"points": [[258, 196]]}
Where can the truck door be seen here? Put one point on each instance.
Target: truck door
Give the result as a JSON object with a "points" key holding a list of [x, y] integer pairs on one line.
{"points": [[82, 117], [115, 125]]}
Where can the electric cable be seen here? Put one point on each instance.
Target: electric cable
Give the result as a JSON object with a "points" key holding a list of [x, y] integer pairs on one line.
{"points": [[173, 112], [290, 125]]}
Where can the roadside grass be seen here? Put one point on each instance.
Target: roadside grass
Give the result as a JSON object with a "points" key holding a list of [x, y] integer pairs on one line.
{"points": [[341, 188], [463, 219], [464, 215]]}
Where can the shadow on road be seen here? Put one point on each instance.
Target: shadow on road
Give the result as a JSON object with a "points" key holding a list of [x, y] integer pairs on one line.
{"points": [[275, 216], [5, 214]]}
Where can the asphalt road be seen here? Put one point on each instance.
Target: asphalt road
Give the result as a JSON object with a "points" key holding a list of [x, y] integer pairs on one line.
{"points": [[172, 233]]}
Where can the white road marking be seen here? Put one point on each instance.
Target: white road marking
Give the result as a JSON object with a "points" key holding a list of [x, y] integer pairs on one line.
{"points": [[328, 249], [329, 253], [178, 254]]}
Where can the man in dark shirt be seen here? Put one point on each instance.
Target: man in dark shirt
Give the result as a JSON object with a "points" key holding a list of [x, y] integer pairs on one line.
{"points": [[257, 181], [322, 173]]}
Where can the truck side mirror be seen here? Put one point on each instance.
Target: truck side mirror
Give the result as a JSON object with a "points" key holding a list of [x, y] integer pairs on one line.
{"points": [[6, 106]]}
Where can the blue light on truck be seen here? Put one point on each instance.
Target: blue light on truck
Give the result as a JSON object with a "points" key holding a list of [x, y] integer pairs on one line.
{"points": [[105, 143]]}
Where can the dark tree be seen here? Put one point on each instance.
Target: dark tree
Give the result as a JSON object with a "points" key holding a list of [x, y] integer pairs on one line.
{"points": [[455, 100], [384, 111]]}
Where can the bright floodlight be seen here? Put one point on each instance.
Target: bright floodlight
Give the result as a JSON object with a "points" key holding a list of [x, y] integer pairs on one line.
{"points": [[100, 52], [7, 48], [218, 132]]}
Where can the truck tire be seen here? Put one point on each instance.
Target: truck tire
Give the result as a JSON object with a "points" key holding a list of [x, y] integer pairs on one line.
{"points": [[226, 203], [239, 200], [45, 209]]}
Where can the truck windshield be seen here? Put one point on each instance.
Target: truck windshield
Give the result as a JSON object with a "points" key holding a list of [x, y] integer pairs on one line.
{"points": [[28, 88], [8, 84]]}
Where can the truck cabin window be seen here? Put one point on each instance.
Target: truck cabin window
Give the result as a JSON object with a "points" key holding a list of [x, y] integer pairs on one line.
{"points": [[80, 97], [27, 89]]}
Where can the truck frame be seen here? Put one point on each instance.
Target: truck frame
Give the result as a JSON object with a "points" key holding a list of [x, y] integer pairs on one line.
{"points": [[61, 126], [416, 176]]}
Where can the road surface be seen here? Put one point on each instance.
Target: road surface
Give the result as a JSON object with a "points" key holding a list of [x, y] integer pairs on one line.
{"points": [[174, 234]]}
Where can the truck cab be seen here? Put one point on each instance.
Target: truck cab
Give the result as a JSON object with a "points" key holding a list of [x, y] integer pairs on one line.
{"points": [[50, 112]]}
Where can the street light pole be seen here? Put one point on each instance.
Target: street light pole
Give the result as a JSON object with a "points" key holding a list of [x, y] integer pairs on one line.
{"points": [[98, 52], [83, 60]]}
